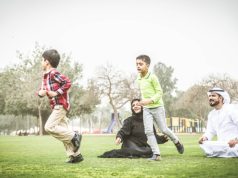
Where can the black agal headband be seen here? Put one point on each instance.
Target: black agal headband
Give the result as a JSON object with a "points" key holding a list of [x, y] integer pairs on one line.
{"points": [[214, 90]]}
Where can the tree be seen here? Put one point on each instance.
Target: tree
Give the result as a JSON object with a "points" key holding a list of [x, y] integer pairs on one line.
{"points": [[7, 123], [84, 100], [195, 99], [4, 82], [223, 81], [168, 84], [179, 111], [116, 87], [21, 82]]}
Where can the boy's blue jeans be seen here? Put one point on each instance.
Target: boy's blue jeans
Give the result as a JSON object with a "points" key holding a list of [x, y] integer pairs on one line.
{"points": [[157, 115]]}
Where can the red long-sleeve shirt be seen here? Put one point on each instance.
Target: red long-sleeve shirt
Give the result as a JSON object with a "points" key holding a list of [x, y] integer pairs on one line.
{"points": [[55, 81]]}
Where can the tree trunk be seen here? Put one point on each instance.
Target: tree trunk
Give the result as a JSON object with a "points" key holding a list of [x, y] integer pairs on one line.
{"points": [[43, 116], [17, 123], [117, 118], [28, 125], [40, 121], [100, 123]]}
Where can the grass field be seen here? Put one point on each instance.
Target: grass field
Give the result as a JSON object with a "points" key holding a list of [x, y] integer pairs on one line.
{"points": [[36, 156]]}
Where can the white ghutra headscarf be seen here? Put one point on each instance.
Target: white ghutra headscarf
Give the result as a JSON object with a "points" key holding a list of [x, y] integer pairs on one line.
{"points": [[223, 93]]}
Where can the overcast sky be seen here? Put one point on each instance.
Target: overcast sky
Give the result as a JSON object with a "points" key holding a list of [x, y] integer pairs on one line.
{"points": [[196, 37]]}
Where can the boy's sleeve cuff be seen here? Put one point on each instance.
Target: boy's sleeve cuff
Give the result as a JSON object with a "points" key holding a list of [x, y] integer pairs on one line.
{"points": [[60, 92]]}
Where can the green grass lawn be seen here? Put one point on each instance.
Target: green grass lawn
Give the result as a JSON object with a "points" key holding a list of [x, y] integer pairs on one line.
{"points": [[36, 156]]}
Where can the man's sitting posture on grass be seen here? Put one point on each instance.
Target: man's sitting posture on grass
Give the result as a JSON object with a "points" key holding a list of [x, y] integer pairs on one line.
{"points": [[222, 122]]}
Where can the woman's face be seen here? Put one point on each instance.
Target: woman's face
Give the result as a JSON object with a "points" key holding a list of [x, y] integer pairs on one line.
{"points": [[136, 107]]}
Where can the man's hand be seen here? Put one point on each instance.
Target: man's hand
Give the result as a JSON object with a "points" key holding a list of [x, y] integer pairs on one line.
{"points": [[118, 140], [233, 142], [202, 139]]}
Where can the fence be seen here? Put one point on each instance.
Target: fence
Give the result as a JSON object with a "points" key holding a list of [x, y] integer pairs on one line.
{"points": [[186, 125]]}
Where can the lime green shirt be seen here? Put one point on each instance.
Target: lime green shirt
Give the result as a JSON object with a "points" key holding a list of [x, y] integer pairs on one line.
{"points": [[150, 89]]}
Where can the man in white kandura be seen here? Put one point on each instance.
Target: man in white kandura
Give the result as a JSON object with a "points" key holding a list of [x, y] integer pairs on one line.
{"points": [[223, 123]]}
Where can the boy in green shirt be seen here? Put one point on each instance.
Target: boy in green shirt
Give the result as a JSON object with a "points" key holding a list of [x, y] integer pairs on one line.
{"points": [[153, 107]]}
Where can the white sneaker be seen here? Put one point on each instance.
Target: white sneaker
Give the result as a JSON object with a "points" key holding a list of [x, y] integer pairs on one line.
{"points": [[155, 158]]}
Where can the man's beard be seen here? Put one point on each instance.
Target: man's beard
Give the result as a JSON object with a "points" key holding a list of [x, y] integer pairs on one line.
{"points": [[213, 103]]}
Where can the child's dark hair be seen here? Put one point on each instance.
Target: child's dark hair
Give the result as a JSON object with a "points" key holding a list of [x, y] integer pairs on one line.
{"points": [[135, 99], [144, 58], [52, 56]]}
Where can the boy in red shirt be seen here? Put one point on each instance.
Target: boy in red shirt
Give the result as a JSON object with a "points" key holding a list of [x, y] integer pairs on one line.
{"points": [[55, 86]]}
